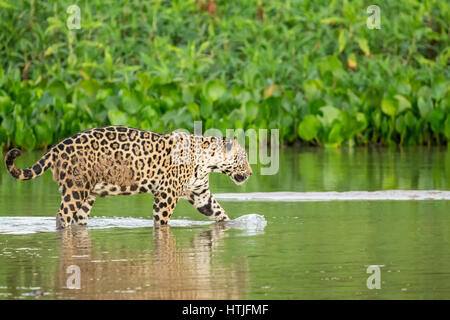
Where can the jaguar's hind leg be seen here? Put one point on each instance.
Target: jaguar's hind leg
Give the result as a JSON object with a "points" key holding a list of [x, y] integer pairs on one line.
{"points": [[82, 216], [71, 203]]}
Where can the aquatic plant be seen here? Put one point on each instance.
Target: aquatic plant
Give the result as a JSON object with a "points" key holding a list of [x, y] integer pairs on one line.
{"points": [[312, 69]]}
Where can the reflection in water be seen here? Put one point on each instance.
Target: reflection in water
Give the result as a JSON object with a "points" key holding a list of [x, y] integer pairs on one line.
{"points": [[309, 250], [301, 170], [350, 169], [163, 270]]}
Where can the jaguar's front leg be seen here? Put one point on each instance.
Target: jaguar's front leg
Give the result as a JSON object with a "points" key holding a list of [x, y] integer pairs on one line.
{"points": [[205, 202], [163, 206]]}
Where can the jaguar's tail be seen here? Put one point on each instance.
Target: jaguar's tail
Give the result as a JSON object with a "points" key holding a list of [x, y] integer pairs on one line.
{"points": [[30, 173]]}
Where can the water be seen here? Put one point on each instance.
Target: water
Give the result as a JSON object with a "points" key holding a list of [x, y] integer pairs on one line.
{"points": [[251, 223], [314, 240]]}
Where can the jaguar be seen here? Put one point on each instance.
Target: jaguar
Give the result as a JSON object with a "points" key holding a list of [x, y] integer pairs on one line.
{"points": [[119, 160]]}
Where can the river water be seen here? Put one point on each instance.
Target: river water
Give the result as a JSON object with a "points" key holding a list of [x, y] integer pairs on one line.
{"points": [[309, 232]]}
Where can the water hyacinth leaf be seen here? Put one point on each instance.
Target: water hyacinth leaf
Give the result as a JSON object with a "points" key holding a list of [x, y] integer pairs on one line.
{"points": [[45, 99], [2, 76], [403, 103], [410, 120], [437, 120], [68, 107], [183, 118], [111, 102], [388, 106], [130, 102], [361, 120], [364, 45], [403, 87], [424, 92], [425, 106], [269, 91], [43, 134], [335, 137], [236, 115], [273, 106], [117, 117], [223, 125], [241, 95], [342, 39], [351, 61], [54, 23], [251, 110], [400, 124], [439, 88], [215, 89], [194, 109], [171, 95], [289, 105], [149, 114], [333, 20], [330, 64], [6, 106], [6, 5], [103, 94], [132, 122], [286, 122], [447, 127], [3, 136], [206, 109], [144, 80], [9, 125], [239, 125], [168, 101], [20, 134], [312, 88], [188, 94], [68, 79], [53, 49], [330, 114], [29, 138], [354, 99], [58, 90], [108, 61], [309, 127], [145, 125], [89, 86]]}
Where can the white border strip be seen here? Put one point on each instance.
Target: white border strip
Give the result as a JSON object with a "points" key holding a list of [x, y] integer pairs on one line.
{"points": [[336, 196]]}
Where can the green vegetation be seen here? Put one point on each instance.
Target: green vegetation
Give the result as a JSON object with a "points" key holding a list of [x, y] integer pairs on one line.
{"points": [[310, 68]]}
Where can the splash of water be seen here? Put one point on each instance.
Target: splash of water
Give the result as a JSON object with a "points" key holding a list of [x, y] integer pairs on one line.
{"points": [[252, 223]]}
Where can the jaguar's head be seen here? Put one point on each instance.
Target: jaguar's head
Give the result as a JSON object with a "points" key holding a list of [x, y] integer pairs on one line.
{"points": [[235, 161]]}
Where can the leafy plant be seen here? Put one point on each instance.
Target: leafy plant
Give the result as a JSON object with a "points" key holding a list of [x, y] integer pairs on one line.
{"points": [[309, 68]]}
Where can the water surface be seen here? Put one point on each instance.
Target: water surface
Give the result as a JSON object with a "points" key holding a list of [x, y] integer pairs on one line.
{"points": [[306, 250]]}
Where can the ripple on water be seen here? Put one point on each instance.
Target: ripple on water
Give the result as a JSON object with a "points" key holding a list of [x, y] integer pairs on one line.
{"points": [[336, 196], [253, 223]]}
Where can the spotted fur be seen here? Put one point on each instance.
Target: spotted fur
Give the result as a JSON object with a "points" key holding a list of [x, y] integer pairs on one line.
{"points": [[120, 160]]}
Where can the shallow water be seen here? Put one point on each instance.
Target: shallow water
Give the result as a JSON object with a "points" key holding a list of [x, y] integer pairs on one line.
{"points": [[251, 223], [304, 249]]}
